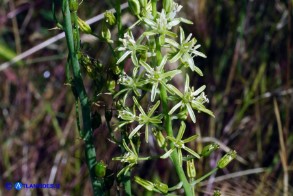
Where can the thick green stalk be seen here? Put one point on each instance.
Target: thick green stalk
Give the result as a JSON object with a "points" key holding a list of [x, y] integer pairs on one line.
{"points": [[174, 155], [80, 93]]}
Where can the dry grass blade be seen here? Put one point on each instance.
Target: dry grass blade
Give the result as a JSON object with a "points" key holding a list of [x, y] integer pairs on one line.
{"points": [[50, 41], [283, 153]]}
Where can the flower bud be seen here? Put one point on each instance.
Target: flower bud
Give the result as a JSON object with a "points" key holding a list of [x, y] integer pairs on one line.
{"points": [[106, 33], [145, 183], [207, 150], [134, 6], [110, 18], [73, 5], [83, 26], [191, 171], [163, 188], [100, 169], [226, 159]]}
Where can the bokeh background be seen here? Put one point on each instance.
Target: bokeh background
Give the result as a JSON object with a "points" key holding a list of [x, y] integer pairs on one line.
{"points": [[248, 74]]}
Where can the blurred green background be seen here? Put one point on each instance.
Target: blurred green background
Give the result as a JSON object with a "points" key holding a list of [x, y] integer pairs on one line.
{"points": [[248, 74]]}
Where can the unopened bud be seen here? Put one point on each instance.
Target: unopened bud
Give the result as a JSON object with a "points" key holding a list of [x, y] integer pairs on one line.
{"points": [[207, 150], [83, 26], [191, 171], [106, 33], [161, 187], [226, 159], [73, 5], [145, 183], [100, 169], [110, 18]]}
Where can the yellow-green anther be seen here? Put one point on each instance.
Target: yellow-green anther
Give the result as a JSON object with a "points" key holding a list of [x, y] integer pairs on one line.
{"points": [[207, 150], [191, 171], [145, 183], [73, 5], [226, 159], [167, 5], [134, 6], [83, 26], [161, 187], [160, 138], [100, 169], [110, 18]]}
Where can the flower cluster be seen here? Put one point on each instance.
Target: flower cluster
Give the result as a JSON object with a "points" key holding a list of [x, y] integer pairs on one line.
{"points": [[151, 53]]}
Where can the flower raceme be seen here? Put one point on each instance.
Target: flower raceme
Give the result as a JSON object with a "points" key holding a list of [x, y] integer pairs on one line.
{"points": [[149, 78]]}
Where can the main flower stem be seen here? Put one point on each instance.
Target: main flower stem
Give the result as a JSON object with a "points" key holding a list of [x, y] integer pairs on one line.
{"points": [[174, 156], [168, 123], [81, 95]]}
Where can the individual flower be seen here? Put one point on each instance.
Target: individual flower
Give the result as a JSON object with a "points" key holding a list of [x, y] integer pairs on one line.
{"points": [[130, 84], [157, 75], [143, 119], [185, 51], [189, 99], [179, 144], [131, 47], [131, 157], [159, 26], [163, 24]]}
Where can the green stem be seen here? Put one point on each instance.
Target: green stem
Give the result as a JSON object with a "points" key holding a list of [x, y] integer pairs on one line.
{"points": [[80, 92], [204, 177], [154, 8], [174, 155], [168, 126]]}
